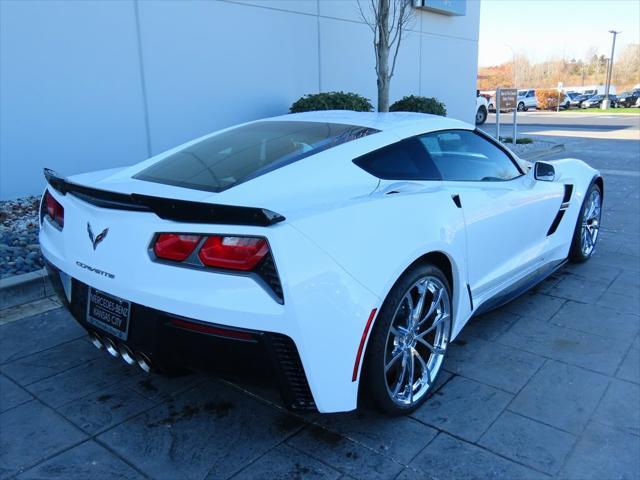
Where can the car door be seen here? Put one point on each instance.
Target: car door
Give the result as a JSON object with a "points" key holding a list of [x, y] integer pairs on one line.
{"points": [[531, 101], [507, 212]]}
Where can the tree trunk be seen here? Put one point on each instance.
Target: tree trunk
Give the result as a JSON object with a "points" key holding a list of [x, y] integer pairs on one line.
{"points": [[383, 79], [382, 53]]}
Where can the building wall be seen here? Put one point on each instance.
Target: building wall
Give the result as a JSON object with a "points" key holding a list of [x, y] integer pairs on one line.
{"points": [[100, 84]]}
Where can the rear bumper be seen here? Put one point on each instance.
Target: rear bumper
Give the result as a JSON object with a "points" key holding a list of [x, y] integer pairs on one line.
{"points": [[324, 311], [165, 338]]}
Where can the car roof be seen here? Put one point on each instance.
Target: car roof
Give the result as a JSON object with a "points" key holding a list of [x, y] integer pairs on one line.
{"points": [[379, 121]]}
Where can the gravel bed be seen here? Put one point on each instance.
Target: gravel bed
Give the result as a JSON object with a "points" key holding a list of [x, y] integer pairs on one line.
{"points": [[19, 225], [526, 148]]}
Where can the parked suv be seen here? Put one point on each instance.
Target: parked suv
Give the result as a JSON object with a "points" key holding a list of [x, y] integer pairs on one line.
{"points": [[629, 99], [526, 100]]}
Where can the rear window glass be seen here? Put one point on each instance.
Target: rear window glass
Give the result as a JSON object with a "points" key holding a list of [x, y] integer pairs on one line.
{"points": [[240, 154]]}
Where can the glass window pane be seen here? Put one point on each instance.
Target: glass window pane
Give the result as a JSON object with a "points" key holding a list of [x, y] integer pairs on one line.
{"points": [[466, 156], [405, 160], [228, 158]]}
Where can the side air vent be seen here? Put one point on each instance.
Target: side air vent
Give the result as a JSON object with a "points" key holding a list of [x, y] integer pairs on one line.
{"points": [[568, 190], [556, 223], [566, 199]]}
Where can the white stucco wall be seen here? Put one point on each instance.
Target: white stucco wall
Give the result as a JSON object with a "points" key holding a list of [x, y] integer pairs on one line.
{"points": [[100, 84]]}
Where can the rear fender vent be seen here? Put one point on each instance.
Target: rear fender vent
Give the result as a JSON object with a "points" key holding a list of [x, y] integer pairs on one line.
{"points": [[294, 386]]}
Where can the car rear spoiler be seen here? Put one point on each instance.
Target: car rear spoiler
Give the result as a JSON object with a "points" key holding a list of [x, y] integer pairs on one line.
{"points": [[166, 208]]}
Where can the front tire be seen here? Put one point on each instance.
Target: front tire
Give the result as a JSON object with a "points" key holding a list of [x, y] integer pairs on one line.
{"points": [[587, 228], [481, 116], [409, 341]]}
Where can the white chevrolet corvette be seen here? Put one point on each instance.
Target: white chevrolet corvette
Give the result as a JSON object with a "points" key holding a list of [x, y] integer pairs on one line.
{"points": [[350, 248]]}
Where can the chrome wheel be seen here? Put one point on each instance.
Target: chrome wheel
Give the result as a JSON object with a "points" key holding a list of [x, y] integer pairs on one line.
{"points": [[591, 223], [417, 340]]}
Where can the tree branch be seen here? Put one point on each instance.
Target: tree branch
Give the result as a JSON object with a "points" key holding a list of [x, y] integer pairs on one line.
{"points": [[365, 19]]}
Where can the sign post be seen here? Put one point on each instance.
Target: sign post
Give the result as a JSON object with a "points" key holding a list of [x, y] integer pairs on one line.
{"points": [[515, 126], [559, 91], [498, 107]]}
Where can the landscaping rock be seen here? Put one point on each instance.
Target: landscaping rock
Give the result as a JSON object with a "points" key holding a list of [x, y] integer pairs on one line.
{"points": [[19, 226]]}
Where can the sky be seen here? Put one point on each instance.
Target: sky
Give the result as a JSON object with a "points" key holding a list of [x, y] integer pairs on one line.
{"points": [[545, 29]]}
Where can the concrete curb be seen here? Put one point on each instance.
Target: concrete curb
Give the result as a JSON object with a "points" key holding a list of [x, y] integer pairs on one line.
{"points": [[543, 153], [24, 288]]}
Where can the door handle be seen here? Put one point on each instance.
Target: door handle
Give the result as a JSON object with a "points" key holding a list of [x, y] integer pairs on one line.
{"points": [[456, 199]]}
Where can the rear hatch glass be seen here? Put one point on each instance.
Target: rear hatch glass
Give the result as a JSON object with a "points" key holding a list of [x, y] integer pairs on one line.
{"points": [[240, 154]]}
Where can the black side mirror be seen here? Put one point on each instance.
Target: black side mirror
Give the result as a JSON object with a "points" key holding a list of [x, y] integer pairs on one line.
{"points": [[544, 172]]}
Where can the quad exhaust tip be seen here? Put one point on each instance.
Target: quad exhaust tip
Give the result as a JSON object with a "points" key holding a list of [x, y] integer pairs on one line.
{"points": [[121, 350], [144, 362], [96, 340], [111, 347], [127, 354]]}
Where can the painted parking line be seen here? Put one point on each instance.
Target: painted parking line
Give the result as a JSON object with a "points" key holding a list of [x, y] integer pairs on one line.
{"points": [[621, 173], [621, 134]]}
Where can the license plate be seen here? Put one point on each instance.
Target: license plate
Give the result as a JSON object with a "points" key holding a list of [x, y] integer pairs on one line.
{"points": [[108, 313]]}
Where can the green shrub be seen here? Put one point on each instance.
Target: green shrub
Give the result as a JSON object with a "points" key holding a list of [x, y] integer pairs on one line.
{"points": [[331, 101], [519, 141], [414, 103]]}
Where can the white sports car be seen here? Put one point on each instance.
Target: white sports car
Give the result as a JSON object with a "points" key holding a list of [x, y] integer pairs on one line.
{"points": [[350, 248]]}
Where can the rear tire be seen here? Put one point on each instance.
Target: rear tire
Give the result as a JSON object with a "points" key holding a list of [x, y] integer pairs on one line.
{"points": [[409, 340], [587, 228]]}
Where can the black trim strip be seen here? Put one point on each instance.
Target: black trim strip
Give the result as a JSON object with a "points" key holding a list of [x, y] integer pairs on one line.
{"points": [[518, 288], [166, 208], [470, 296]]}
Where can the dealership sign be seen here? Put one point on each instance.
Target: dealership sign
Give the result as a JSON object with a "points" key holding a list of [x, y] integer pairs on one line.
{"points": [[508, 98], [447, 7]]}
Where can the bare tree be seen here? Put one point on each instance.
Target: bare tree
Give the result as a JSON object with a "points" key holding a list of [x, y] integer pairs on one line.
{"points": [[388, 20]]}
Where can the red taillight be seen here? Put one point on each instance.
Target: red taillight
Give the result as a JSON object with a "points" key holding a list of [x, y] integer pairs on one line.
{"points": [[219, 331], [218, 251], [235, 253], [172, 246], [54, 210]]}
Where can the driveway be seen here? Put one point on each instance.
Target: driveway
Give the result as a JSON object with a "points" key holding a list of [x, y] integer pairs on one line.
{"points": [[546, 387]]}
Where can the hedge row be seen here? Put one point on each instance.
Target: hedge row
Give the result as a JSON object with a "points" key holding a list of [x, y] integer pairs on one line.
{"points": [[358, 103], [547, 98]]}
